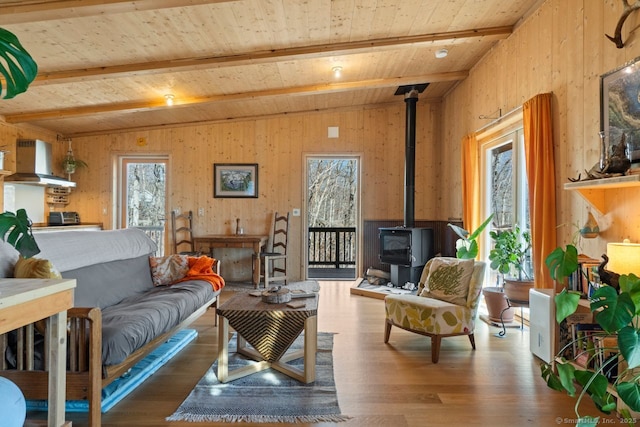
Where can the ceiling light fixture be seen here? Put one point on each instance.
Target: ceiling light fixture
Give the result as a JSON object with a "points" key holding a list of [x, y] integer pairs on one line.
{"points": [[169, 99], [442, 53], [337, 71]]}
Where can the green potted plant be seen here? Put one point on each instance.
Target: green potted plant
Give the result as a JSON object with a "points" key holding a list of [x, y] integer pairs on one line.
{"points": [[509, 258], [70, 164], [467, 245], [618, 315], [467, 248], [15, 229]]}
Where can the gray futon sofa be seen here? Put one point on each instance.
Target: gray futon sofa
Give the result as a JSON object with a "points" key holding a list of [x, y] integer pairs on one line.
{"points": [[119, 316]]}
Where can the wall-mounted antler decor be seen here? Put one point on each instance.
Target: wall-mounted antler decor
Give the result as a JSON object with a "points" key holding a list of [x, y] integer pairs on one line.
{"points": [[627, 9]]}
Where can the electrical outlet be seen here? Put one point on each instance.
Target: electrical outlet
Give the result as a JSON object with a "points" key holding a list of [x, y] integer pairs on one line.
{"points": [[296, 212], [200, 211]]}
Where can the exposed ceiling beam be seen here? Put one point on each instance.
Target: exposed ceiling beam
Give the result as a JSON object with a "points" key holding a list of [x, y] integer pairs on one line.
{"points": [[300, 90], [259, 57], [22, 12]]}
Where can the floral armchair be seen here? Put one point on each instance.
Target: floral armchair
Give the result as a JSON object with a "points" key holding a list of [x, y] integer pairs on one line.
{"points": [[446, 303]]}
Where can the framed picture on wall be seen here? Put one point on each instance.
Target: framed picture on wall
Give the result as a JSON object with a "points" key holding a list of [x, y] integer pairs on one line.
{"points": [[235, 180], [620, 107]]}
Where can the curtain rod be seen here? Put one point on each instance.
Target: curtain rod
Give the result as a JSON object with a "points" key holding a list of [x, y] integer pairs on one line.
{"points": [[503, 116], [499, 119]]}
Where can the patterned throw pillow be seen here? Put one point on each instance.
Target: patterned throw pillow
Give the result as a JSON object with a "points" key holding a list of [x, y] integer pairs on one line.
{"points": [[449, 280], [35, 268], [167, 269]]}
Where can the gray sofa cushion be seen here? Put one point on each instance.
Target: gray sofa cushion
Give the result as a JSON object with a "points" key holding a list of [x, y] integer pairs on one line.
{"points": [[105, 284], [137, 320]]}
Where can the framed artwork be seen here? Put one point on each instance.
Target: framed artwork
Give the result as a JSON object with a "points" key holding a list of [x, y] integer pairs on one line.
{"points": [[620, 107], [235, 180]]}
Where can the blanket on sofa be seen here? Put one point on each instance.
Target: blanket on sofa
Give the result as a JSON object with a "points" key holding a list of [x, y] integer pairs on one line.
{"points": [[201, 268]]}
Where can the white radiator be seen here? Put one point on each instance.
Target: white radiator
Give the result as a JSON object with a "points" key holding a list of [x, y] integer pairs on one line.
{"points": [[542, 323]]}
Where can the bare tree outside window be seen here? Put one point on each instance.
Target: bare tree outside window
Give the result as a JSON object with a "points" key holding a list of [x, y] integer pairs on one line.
{"points": [[144, 197], [145, 194], [332, 214]]}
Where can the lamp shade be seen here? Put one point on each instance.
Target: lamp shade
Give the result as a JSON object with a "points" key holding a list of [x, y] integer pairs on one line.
{"points": [[624, 258]]}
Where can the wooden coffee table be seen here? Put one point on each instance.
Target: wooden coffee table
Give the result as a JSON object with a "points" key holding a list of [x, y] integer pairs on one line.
{"points": [[270, 329]]}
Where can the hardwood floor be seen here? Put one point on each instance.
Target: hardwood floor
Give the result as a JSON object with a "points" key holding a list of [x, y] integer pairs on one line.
{"points": [[382, 385]]}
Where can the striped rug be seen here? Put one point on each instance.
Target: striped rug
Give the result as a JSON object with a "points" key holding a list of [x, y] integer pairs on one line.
{"points": [[267, 396]]}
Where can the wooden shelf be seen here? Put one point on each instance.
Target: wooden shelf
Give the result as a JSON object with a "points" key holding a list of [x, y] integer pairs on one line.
{"points": [[593, 190]]}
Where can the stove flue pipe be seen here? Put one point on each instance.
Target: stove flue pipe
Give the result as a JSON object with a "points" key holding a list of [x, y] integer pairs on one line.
{"points": [[410, 98]]}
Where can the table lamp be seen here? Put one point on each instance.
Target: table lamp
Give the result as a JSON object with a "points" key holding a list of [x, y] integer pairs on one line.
{"points": [[624, 258]]}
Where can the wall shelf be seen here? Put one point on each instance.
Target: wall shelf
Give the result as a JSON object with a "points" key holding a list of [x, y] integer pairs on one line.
{"points": [[593, 190]]}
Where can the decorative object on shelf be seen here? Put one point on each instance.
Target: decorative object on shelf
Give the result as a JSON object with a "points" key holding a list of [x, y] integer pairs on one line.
{"points": [[70, 164], [626, 11], [617, 315], [18, 67], [15, 229], [608, 277], [590, 229], [613, 162], [276, 295]]}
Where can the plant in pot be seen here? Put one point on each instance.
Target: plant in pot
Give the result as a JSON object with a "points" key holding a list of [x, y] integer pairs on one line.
{"points": [[509, 258], [467, 248], [618, 316], [15, 229]]}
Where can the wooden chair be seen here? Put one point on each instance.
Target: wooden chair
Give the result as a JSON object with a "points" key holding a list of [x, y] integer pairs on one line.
{"points": [[182, 227], [274, 256]]}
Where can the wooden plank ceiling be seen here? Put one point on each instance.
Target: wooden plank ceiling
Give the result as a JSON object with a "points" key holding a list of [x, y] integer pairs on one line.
{"points": [[107, 66]]}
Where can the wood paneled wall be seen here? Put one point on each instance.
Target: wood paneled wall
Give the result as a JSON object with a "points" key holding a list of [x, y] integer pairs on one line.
{"points": [[278, 145], [561, 49]]}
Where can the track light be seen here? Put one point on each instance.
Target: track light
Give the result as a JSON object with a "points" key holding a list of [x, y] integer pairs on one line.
{"points": [[169, 99], [337, 71]]}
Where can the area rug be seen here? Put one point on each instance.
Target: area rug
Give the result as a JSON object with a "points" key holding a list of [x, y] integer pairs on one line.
{"points": [[267, 396], [121, 387]]}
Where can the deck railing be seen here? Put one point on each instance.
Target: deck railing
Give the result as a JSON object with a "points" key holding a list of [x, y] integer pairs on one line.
{"points": [[333, 247], [156, 233]]}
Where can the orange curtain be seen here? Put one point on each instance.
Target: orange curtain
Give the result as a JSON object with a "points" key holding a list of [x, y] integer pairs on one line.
{"points": [[470, 183], [538, 147]]}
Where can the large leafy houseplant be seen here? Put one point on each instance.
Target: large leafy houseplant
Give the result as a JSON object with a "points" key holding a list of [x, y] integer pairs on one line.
{"points": [[467, 244], [16, 65], [510, 252], [15, 229], [618, 314]]}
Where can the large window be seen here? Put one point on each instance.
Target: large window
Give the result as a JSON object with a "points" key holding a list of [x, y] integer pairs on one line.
{"points": [[504, 191]]}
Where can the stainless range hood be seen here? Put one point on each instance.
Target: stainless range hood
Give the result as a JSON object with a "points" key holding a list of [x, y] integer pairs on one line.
{"points": [[33, 165]]}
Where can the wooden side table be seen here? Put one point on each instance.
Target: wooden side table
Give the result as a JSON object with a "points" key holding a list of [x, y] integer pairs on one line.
{"points": [[270, 329], [24, 301], [235, 241]]}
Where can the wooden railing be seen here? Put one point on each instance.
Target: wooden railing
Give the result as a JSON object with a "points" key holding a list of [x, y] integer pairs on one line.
{"points": [[332, 246]]}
